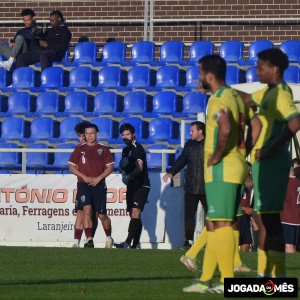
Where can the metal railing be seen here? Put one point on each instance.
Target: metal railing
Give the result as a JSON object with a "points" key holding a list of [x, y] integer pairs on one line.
{"points": [[24, 152]]}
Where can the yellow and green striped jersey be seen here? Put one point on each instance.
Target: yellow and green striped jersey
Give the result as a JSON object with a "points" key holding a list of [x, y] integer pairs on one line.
{"points": [[233, 167], [276, 107]]}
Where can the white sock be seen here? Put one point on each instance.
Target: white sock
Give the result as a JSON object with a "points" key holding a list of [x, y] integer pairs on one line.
{"points": [[11, 60], [77, 242], [108, 238]]}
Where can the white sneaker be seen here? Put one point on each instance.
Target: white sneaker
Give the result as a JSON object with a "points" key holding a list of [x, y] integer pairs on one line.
{"points": [[6, 64], [75, 245], [217, 289], [109, 242], [190, 263], [197, 287], [242, 269]]}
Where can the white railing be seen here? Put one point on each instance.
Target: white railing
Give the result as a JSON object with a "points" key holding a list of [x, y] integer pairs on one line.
{"points": [[24, 152]]}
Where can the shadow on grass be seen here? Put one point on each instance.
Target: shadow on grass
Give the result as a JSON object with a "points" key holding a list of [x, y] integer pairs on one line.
{"points": [[91, 280]]}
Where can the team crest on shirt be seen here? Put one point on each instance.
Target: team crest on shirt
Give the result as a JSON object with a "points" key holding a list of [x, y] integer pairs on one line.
{"points": [[99, 151], [82, 198]]}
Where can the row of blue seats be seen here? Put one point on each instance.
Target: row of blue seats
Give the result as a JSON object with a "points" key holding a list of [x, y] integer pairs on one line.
{"points": [[103, 103], [59, 160], [46, 129], [138, 77], [143, 52]]}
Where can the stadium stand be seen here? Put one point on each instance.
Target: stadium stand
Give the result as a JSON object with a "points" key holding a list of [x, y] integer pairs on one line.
{"points": [[106, 128], [12, 128], [9, 159], [84, 53], [251, 75], [232, 51], [142, 52], [18, 104], [291, 74], [36, 160], [292, 49], [112, 53]]}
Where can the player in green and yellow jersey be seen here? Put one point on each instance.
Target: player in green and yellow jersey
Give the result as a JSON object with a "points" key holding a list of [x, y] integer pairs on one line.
{"points": [[271, 159], [225, 169]]}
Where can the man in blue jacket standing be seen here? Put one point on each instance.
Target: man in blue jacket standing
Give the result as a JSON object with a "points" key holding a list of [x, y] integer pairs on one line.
{"points": [[192, 157]]}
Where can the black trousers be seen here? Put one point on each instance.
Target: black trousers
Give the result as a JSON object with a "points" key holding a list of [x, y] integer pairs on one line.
{"points": [[190, 208], [45, 57]]}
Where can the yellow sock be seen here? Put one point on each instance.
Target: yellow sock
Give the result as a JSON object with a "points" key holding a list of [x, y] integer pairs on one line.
{"points": [[210, 258], [225, 251], [277, 263], [262, 263], [237, 258], [198, 245]]}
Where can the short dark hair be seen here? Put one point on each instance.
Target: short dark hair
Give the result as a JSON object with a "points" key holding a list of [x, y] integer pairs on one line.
{"points": [[295, 161], [200, 126], [127, 126], [275, 57], [27, 12], [80, 127], [214, 64], [91, 125], [57, 13]]}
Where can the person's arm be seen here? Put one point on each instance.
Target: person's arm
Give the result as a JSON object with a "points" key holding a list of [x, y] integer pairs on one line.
{"points": [[253, 133], [73, 169], [293, 125], [223, 137], [109, 169], [247, 99]]}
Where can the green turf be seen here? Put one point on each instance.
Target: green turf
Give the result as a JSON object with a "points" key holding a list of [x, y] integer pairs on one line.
{"points": [[67, 273]]}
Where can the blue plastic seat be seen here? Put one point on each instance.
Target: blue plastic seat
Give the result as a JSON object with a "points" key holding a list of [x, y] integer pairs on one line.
{"points": [[37, 159], [193, 103], [109, 77], [292, 49], [67, 132], [254, 49], [163, 103], [142, 52], [80, 77], [84, 53], [9, 159], [75, 103], [112, 53], [138, 77], [166, 77], [251, 75], [3, 78], [160, 130], [12, 129], [105, 126], [232, 51], [154, 160], [23, 78], [135, 103], [198, 50], [41, 129], [61, 159], [18, 103], [105, 103], [291, 74], [192, 78], [170, 52], [232, 75], [52, 78], [46, 104]]}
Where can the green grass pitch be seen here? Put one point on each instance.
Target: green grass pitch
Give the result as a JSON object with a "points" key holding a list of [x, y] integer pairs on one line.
{"points": [[67, 273]]}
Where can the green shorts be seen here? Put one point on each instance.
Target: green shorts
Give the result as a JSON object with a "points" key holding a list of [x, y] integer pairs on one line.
{"points": [[223, 200], [270, 179]]}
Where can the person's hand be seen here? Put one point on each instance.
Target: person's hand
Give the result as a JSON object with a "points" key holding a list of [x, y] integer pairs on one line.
{"points": [[167, 176], [43, 43], [248, 210], [249, 182], [212, 160], [87, 179], [262, 153], [125, 178], [95, 180]]}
